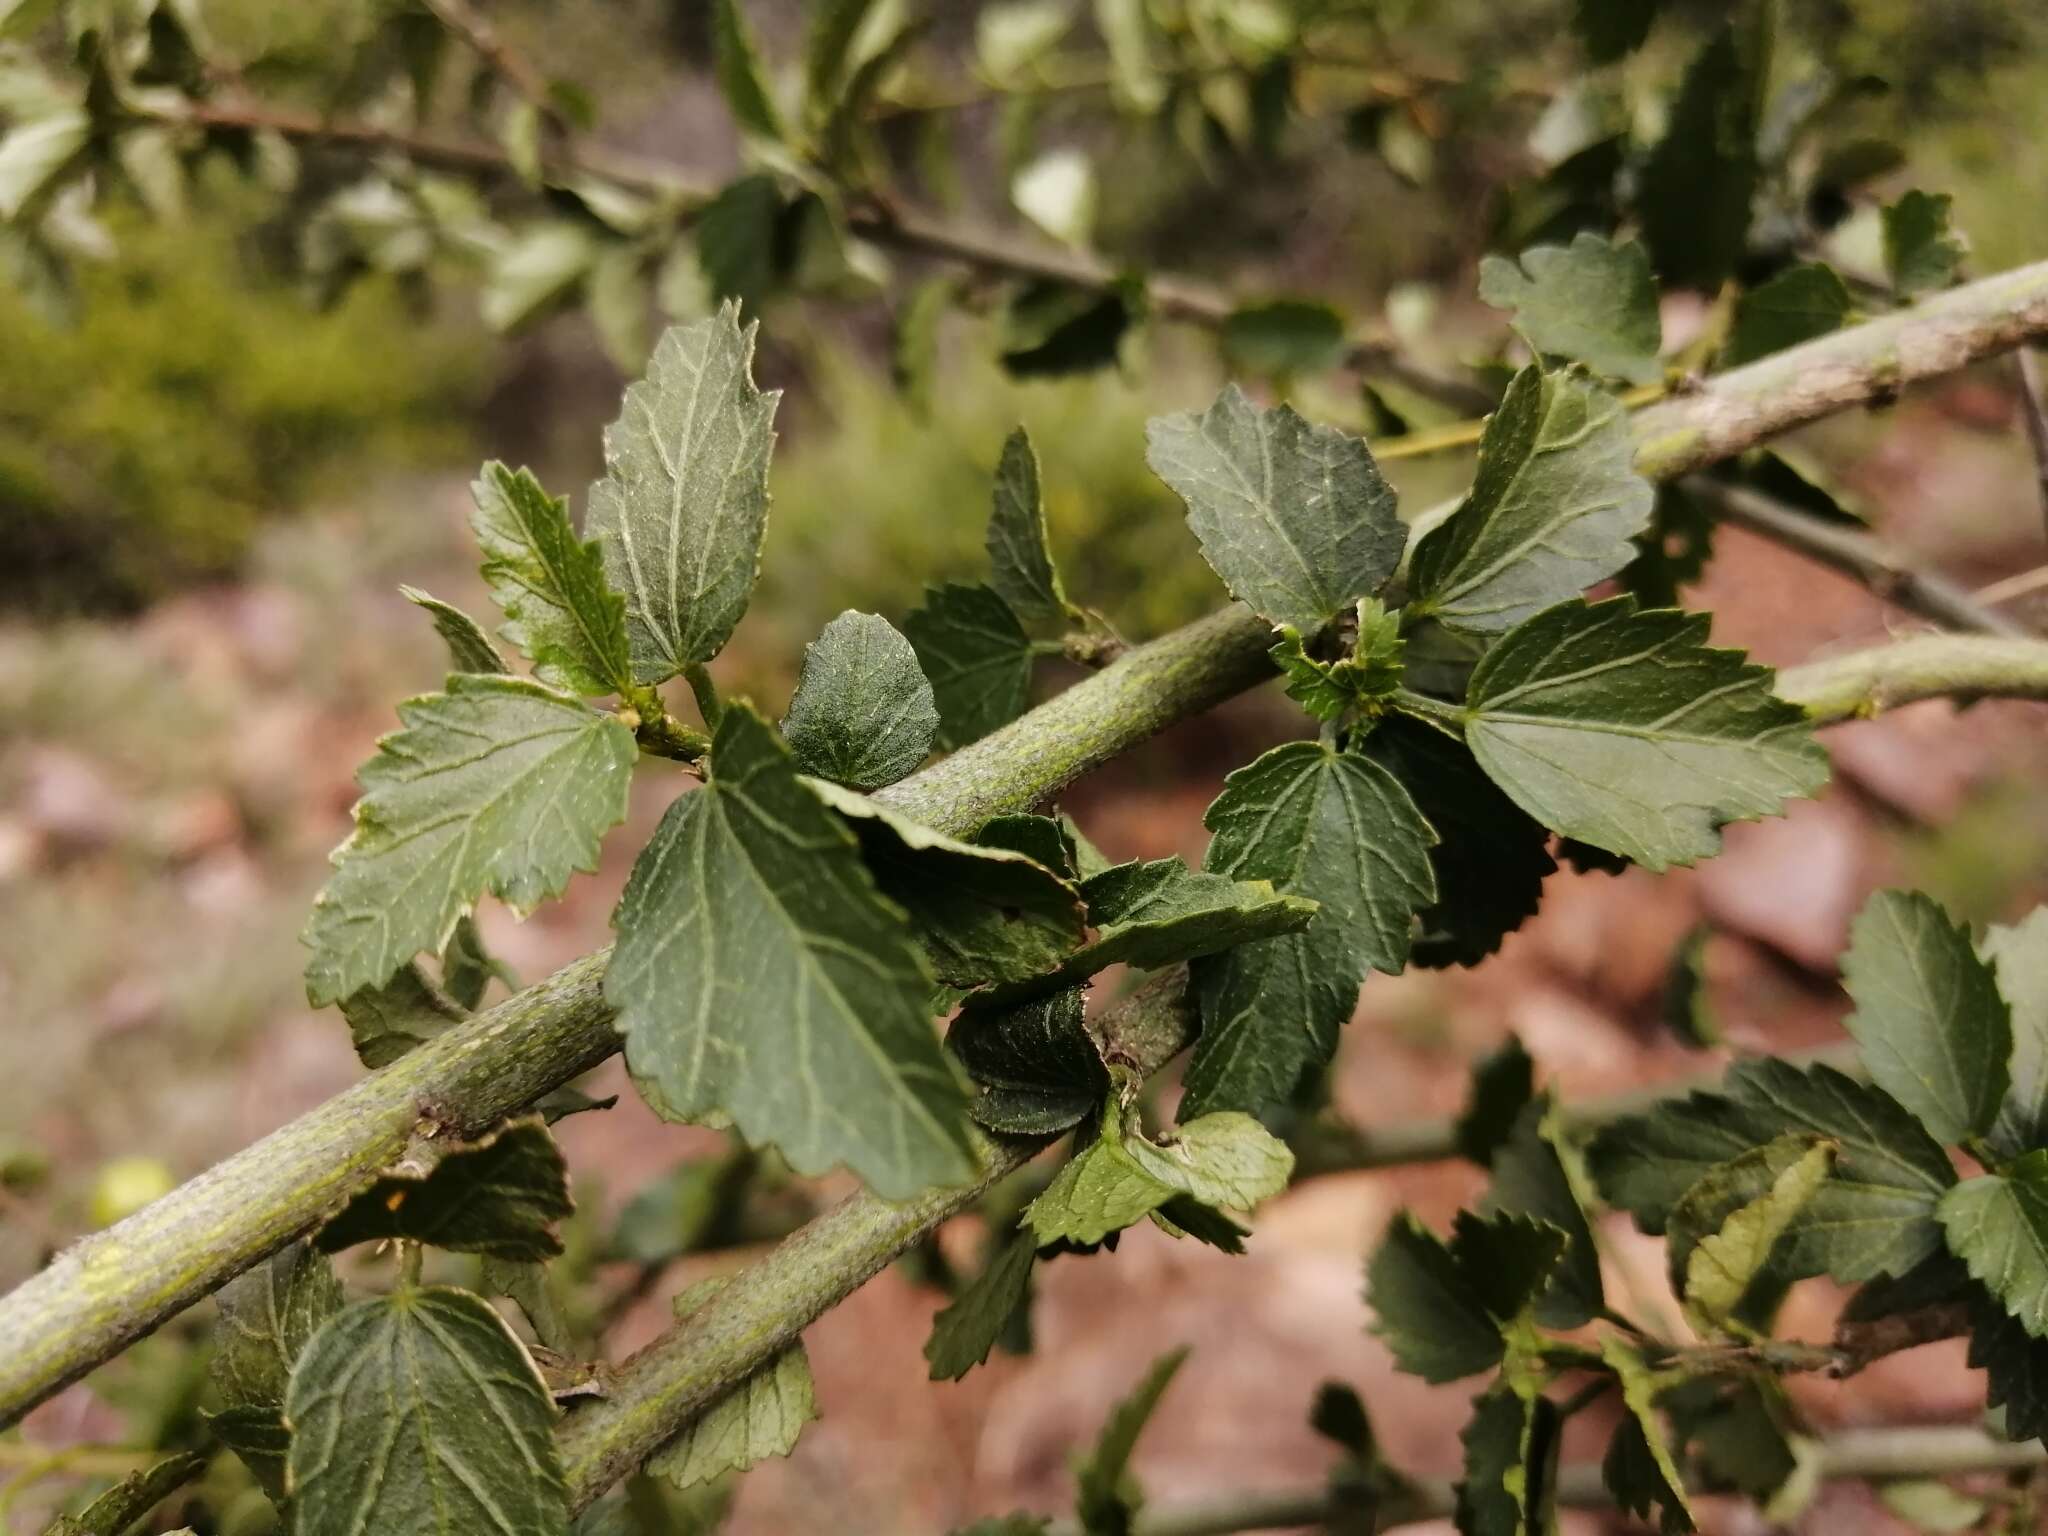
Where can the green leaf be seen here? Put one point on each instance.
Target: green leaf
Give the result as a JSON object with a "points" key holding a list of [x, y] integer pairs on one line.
{"points": [[739, 72], [685, 494], [1047, 840], [1012, 35], [121, 1506], [403, 1013], [419, 1412], [1127, 32], [1019, 555], [1739, 1431], [1723, 1233], [1929, 1023], [1534, 1176], [535, 272], [559, 609], [1051, 329], [1038, 1068], [1105, 1499], [977, 656], [1593, 302], [743, 244], [2016, 1367], [914, 339], [759, 975], [1339, 830], [1672, 553], [1702, 177], [2020, 954], [1554, 505], [37, 153], [1875, 1216], [1639, 1468], [1443, 1309], [1511, 1446], [1923, 251], [1338, 1415], [260, 1442], [1099, 1190], [1282, 337], [1797, 305], [499, 784], [468, 968], [863, 714], [1295, 519], [1622, 729], [682, 1210], [469, 648], [1503, 1085], [498, 1196], [1687, 1009], [761, 1417], [266, 1317], [964, 1333], [1612, 29], [1930, 1505], [1225, 1160], [1158, 912], [1364, 680], [1491, 857], [828, 49], [980, 914], [1998, 1226]]}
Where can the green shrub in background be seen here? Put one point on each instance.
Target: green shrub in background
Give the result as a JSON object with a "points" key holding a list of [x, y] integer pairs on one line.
{"points": [[189, 394]]}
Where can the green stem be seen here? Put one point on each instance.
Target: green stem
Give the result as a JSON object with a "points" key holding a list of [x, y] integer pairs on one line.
{"points": [[1864, 683], [705, 692], [1446, 717]]}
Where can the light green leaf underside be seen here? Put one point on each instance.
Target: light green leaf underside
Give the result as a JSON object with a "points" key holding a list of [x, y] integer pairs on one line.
{"points": [[1336, 829], [964, 1332], [863, 714], [1622, 729], [1725, 1230], [2020, 954], [1929, 1023], [559, 608], [761, 1417], [469, 648], [1998, 1226], [1099, 1190], [1554, 507], [980, 913], [498, 1196], [1592, 302], [499, 784], [759, 975], [684, 500], [1121, 1176], [419, 1412], [1019, 554], [1225, 1160], [977, 656], [1296, 519]]}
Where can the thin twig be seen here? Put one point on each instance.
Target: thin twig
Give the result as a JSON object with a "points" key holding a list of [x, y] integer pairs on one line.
{"points": [[2022, 585], [1882, 568], [485, 41], [2034, 412]]}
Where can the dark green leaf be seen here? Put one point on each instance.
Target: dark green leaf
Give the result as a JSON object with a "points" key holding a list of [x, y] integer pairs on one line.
{"points": [[1047, 840], [1623, 729], [1639, 1468], [1794, 478], [1019, 556], [1673, 551], [683, 1210], [1923, 251], [498, 1196], [760, 975], [1876, 1215], [467, 967], [2017, 1367], [1688, 1011], [113, 1512], [685, 494], [469, 648], [828, 49], [1039, 1069], [1503, 1084], [1284, 336], [1610, 29], [559, 609], [761, 1417], [977, 656], [980, 914], [744, 244], [1533, 1177], [965, 1332], [499, 784], [1296, 519], [1185, 1216], [266, 1317], [1363, 680], [1339, 830], [527, 1285], [419, 1412], [1554, 505], [1591, 302], [1051, 329], [1338, 1415], [1739, 1432], [2020, 953], [260, 1442], [1105, 1499], [863, 714], [1442, 1308], [1491, 857], [1702, 176], [1723, 1233], [1998, 1226], [1797, 305], [1511, 1447], [1929, 1023], [739, 72], [407, 1011]]}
